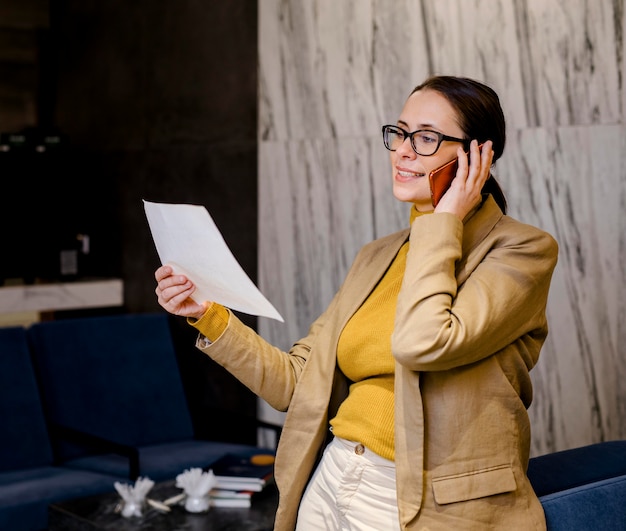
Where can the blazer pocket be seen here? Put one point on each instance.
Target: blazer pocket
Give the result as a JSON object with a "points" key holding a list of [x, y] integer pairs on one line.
{"points": [[472, 485]]}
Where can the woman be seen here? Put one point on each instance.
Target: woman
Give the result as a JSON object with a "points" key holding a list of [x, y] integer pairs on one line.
{"points": [[407, 401]]}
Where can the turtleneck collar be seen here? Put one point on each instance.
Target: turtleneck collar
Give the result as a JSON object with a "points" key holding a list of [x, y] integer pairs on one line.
{"points": [[416, 213]]}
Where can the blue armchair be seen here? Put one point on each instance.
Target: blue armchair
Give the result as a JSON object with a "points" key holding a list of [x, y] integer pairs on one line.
{"points": [[29, 476], [114, 397]]}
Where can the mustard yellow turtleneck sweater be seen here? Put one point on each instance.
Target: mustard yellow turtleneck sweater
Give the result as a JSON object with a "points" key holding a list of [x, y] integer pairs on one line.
{"points": [[363, 355]]}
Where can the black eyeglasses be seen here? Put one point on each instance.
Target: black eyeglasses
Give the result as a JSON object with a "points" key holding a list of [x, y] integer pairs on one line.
{"points": [[424, 141]]}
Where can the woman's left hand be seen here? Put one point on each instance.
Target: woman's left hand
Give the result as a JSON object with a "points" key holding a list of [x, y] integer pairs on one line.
{"points": [[464, 192]]}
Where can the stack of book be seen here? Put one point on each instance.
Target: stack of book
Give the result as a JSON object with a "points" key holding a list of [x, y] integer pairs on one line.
{"points": [[239, 477]]}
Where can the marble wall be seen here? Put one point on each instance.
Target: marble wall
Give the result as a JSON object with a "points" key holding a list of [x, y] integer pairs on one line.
{"points": [[331, 73]]}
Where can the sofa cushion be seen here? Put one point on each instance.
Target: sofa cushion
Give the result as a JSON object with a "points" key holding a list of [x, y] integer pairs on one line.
{"points": [[26, 494], [599, 505]]}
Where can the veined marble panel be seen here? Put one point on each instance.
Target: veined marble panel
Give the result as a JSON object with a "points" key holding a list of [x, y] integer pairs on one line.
{"points": [[569, 182], [331, 73], [320, 203], [336, 69], [576, 60], [478, 39]]}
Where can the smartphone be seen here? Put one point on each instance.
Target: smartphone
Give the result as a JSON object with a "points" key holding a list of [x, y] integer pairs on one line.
{"points": [[441, 178]]}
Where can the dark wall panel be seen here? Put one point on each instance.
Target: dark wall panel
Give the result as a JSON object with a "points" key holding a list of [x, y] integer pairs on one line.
{"points": [[159, 98]]}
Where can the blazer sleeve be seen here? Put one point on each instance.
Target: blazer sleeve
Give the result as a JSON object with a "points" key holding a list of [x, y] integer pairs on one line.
{"points": [[266, 370], [441, 322]]}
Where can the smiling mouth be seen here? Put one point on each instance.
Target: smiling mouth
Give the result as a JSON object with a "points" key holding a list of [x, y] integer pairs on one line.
{"points": [[410, 174]]}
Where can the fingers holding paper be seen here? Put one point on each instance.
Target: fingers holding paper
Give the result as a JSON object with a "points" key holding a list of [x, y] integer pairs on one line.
{"points": [[174, 293]]}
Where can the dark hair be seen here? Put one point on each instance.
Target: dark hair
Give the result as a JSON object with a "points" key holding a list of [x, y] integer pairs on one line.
{"points": [[480, 115]]}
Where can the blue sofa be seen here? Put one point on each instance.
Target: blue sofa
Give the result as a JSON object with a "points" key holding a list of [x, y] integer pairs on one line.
{"points": [[30, 477], [114, 398], [582, 488], [86, 402]]}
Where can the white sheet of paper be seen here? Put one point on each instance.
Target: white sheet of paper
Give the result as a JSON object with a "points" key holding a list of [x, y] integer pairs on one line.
{"points": [[187, 238]]}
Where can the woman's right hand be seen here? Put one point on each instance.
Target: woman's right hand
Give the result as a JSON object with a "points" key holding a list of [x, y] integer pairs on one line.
{"points": [[466, 188], [174, 294]]}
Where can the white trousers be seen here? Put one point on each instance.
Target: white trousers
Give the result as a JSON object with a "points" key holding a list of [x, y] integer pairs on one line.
{"points": [[352, 489]]}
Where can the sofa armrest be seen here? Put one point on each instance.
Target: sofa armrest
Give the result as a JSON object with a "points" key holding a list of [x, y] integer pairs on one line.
{"points": [[599, 505]]}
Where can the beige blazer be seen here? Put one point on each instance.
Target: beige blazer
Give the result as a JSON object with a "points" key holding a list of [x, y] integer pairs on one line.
{"points": [[470, 322]]}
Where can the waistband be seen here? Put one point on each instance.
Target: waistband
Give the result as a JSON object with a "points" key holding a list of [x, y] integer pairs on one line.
{"points": [[362, 451]]}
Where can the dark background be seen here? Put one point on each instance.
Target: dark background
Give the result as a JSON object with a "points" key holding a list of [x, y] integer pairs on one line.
{"points": [[149, 99]]}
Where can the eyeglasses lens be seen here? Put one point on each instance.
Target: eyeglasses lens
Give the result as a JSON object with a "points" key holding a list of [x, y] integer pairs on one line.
{"points": [[423, 142]]}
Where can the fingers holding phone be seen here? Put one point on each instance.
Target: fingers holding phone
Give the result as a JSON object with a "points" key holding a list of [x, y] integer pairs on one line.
{"points": [[456, 186], [479, 165]]}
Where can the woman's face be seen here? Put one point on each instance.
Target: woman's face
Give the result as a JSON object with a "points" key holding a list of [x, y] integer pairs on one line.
{"points": [[425, 109]]}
